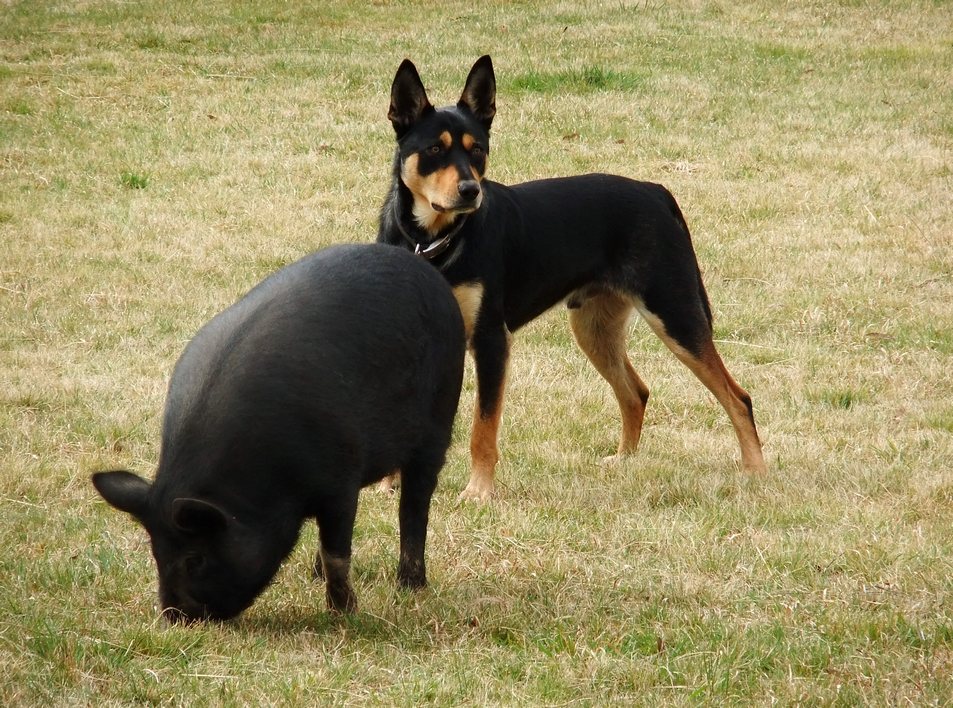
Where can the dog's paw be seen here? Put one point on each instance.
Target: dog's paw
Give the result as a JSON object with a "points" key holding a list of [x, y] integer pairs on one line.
{"points": [[479, 492], [389, 484], [755, 469], [613, 460]]}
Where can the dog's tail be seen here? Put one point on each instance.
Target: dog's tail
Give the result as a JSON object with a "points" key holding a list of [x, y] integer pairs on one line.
{"points": [[680, 218]]}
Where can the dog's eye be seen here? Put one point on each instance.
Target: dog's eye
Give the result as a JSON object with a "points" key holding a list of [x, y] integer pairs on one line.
{"points": [[476, 151], [433, 150]]}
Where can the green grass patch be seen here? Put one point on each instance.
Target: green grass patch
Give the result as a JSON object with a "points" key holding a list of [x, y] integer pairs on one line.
{"points": [[585, 80], [150, 41], [133, 180], [843, 399], [942, 420], [19, 107]]}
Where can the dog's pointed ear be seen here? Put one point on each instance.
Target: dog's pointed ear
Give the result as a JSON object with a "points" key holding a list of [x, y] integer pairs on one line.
{"points": [[479, 92], [408, 98]]}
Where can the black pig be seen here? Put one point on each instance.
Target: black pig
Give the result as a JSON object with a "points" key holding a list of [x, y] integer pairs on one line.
{"points": [[327, 376]]}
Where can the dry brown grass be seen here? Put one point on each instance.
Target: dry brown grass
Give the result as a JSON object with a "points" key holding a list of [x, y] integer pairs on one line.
{"points": [[156, 160]]}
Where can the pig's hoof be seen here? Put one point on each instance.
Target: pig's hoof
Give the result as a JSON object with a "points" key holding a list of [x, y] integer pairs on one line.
{"points": [[342, 600], [412, 580]]}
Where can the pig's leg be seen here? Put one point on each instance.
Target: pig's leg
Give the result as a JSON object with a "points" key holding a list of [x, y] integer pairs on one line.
{"points": [[418, 481], [336, 528]]}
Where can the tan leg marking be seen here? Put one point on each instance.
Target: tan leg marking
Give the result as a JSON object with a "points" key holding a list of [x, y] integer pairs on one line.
{"points": [[599, 326], [484, 454], [469, 298], [484, 450], [711, 371]]}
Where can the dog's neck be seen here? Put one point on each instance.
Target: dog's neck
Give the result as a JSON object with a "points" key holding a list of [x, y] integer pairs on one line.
{"points": [[428, 247], [430, 220]]}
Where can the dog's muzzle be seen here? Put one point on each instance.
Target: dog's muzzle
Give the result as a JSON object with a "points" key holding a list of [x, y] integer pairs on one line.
{"points": [[468, 190]]}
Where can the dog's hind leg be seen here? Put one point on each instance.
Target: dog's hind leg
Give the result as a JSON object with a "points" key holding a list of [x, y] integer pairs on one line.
{"points": [[699, 354], [599, 325], [389, 484]]}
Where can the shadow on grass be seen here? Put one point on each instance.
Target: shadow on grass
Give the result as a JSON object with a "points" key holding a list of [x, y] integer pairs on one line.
{"points": [[317, 619]]}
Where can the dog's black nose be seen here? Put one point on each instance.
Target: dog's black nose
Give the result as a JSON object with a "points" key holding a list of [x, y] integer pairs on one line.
{"points": [[469, 189]]}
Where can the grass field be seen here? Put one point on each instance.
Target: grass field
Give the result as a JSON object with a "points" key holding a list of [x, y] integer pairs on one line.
{"points": [[158, 159]]}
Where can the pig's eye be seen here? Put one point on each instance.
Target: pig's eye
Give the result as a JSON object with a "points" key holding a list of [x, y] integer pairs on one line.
{"points": [[194, 564]]}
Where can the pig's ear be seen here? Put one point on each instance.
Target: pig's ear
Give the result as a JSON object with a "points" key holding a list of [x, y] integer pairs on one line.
{"points": [[194, 516], [124, 490]]}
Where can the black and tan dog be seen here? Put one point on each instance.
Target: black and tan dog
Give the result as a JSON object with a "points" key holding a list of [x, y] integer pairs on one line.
{"points": [[603, 244]]}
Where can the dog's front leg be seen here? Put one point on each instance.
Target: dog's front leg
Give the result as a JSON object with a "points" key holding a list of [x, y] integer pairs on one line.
{"points": [[490, 346]]}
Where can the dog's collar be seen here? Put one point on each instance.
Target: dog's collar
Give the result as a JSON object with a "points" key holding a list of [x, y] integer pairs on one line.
{"points": [[435, 248]]}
